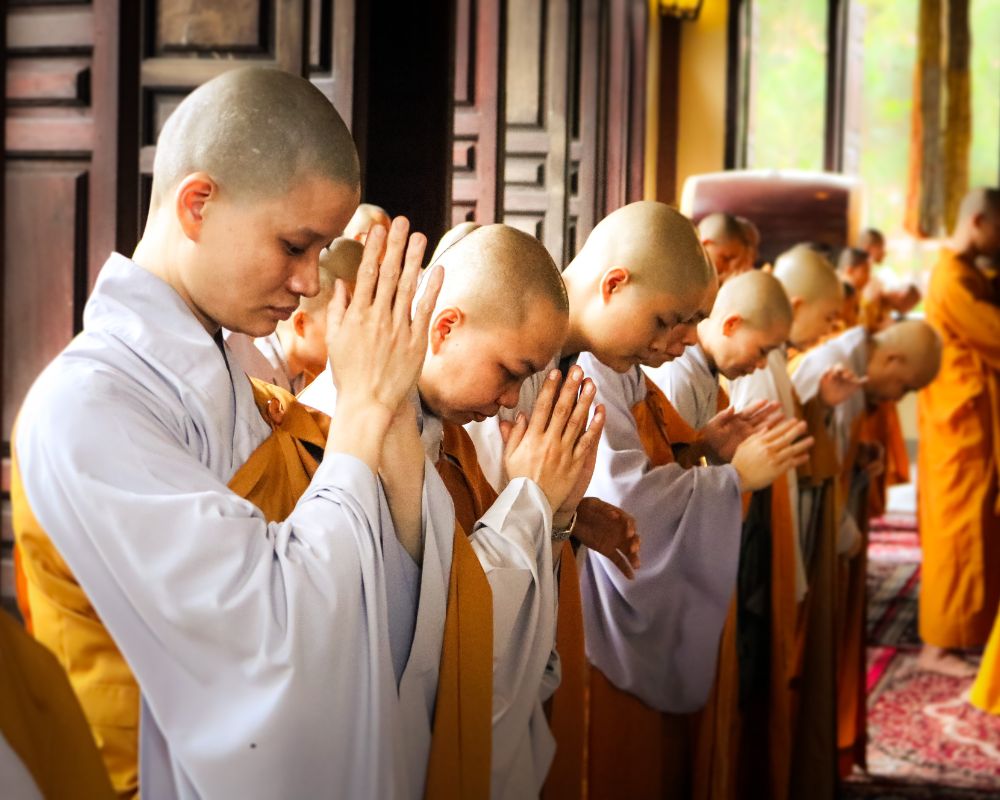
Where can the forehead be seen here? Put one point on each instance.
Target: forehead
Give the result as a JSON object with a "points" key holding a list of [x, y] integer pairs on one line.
{"points": [[536, 340], [315, 204]]}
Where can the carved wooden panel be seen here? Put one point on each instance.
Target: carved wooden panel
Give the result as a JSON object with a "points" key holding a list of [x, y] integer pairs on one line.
{"points": [[479, 78], [64, 167], [188, 42], [573, 112]]}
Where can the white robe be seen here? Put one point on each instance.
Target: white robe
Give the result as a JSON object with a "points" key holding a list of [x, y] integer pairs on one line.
{"points": [[513, 543], [264, 652], [850, 349], [690, 385], [656, 636], [773, 383]]}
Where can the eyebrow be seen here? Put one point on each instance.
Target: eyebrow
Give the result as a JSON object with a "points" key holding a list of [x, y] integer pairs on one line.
{"points": [[309, 233]]}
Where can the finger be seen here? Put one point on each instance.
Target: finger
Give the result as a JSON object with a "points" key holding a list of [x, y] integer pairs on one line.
{"points": [[620, 560], [430, 288], [408, 280], [505, 428], [565, 403], [542, 409], [581, 410], [588, 441], [389, 269], [368, 272], [337, 307], [516, 433], [753, 409], [785, 432], [796, 451]]}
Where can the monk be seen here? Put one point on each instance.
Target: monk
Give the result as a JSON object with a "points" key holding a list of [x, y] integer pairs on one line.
{"points": [[366, 217], [803, 667], [854, 267], [750, 318], [901, 358], [502, 315], [726, 242], [959, 446], [851, 309], [296, 352], [636, 291], [251, 639]]}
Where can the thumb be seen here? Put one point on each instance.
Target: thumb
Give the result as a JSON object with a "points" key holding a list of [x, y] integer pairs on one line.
{"points": [[506, 426]]}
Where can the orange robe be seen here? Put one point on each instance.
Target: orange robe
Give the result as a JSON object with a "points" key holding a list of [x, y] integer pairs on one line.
{"points": [[472, 495], [657, 747], [273, 478], [42, 722], [959, 505]]}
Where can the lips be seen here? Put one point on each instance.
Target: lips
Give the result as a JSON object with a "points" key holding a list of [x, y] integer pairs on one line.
{"points": [[282, 312]]}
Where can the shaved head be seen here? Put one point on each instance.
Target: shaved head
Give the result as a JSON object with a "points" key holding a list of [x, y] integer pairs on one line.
{"points": [[852, 257], [918, 342], [657, 244], [340, 260], [751, 233], [806, 273], [499, 272], [906, 357], [721, 227], [367, 216], [255, 132], [979, 201], [757, 297], [870, 237], [452, 236]]}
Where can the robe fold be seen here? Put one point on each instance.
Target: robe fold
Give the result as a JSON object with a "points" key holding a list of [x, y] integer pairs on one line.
{"points": [[852, 502], [125, 446], [510, 535], [46, 747], [959, 460]]}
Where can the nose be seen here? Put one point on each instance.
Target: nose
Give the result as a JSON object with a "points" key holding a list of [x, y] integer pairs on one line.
{"points": [[304, 279], [510, 396], [690, 335]]}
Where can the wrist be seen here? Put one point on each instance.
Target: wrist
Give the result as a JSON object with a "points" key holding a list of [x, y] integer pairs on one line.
{"points": [[359, 430], [563, 517]]}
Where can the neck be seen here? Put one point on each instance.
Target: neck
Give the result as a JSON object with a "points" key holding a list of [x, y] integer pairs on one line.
{"points": [[962, 245], [577, 340], [157, 253]]}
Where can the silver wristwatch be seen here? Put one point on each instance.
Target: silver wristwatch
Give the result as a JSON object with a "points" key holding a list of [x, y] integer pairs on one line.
{"points": [[562, 534]]}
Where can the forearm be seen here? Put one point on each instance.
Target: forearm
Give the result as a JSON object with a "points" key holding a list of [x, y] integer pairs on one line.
{"points": [[359, 429], [402, 474]]}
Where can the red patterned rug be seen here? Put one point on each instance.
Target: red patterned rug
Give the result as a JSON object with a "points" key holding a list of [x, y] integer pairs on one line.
{"points": [[925, 740]]}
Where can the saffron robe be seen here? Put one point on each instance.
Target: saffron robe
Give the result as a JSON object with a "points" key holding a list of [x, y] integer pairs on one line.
{"points": [[690, 385], [959, 460], [46, 748], [847, 420], [125, 445], [511, 539]]}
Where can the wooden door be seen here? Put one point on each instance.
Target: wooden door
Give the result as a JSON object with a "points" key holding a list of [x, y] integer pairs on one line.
{"points": [[69, 184], [569, 115]]}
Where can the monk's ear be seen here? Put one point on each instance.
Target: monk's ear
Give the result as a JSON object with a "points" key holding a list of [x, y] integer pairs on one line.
{"points": [[299, 323], [614, 279], [444, 323], [797, 303], [731, 324], [192, 195]]}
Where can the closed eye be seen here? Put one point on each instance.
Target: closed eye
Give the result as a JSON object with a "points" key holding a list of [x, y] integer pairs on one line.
{"points": [[291, 249]]}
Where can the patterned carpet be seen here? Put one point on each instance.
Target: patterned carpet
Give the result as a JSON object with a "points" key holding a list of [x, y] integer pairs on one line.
{"points": [[924, 739]]}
